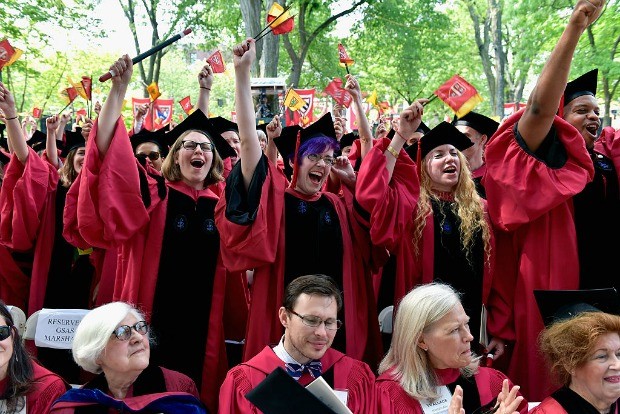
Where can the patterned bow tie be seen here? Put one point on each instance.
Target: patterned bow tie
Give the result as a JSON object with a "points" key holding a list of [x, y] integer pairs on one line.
{"points": [[314, 368]]}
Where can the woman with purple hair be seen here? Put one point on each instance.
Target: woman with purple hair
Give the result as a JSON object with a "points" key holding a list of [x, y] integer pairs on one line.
{"points": [[284, 229]]}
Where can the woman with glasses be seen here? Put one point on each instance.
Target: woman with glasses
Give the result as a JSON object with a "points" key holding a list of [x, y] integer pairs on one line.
{"points": [[431, 359], [165, 233], [113, 341], [285, 229], [25, 386]]}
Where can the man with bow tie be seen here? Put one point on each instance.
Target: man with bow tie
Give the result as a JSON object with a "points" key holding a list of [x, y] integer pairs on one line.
{"points": [[309, 316]]}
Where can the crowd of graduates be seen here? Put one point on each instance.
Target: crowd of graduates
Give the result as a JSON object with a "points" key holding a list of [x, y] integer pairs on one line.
{"points": [[203, 245]]}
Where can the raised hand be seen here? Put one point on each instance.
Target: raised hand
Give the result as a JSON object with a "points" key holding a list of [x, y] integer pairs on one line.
{"points": [[52, 123], [122, 69], [411, 118], [87, 125], [456, 403], [352, 86], [244, 54], [205, 76], [274, 128], [343, 169], [586, 12], [508, 399]]}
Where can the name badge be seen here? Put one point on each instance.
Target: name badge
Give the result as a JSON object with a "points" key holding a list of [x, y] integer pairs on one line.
{"points": [[343, 395], [440, 405]]}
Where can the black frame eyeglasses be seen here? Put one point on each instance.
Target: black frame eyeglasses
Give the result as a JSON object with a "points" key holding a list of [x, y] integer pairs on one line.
{"points": [[123, 332], [314, 321], [153, 155], [5, 332], [327, 159], [191, 145]]}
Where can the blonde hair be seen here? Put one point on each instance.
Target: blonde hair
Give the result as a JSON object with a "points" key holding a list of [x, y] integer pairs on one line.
{"points": [[568, 344], [172, 172], [468, 207], [417, 312]]}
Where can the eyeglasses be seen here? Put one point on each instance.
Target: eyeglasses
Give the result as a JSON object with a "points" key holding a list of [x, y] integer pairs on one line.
{"points": [[153, 155], [328, 159], [315, 321], [5, 332], [191, 145], [123, 332]]}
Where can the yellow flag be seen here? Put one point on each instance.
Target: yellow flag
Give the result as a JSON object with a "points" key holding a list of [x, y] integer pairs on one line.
{"points": [[16, 55], [275, 11], [293, 101], [79, 88], [153, 91], [372, 99]]}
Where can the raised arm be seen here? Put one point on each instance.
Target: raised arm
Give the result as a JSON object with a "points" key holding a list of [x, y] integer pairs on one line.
{"points": [[410, 120], [51, 150], [363, 127], [111, 110], [15, 134], [243, 57], [274, 130], [205, 81], [543, 102]]}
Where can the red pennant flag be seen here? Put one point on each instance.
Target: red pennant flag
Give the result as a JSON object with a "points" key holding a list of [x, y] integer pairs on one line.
{"points": [[459, 95], [36, 112], [281, 21], [6, 53], [186, 104], [217, 62], [82, 112], [336, 91], [71, 93], [87, 84], [344, 57]]}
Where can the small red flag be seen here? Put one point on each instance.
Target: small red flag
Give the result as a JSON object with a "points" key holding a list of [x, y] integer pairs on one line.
{"points": [[343, 55], [186, 104], [6, 53], [36, 112], [281, 21], [217, 62], [82, 112], [336, 91], [87, 83], [71, 93], [459, 95]]}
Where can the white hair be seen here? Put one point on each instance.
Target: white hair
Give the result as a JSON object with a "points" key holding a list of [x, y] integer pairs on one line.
{"points": [[95, 330]]}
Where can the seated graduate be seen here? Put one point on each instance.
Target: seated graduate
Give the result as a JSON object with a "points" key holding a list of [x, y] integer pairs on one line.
{"points": [[582, 346], [113, 341], [25, 386], [309, 316], [431, 355]]}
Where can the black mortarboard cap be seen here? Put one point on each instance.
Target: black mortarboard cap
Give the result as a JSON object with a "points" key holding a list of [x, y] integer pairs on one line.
{"points": [[482, 124], [561, 305], [157, 137], [347, 139], [73, 140], [198, 121], [2, 128], [583, 85], [444, 133], [287, 140], [37, 141], [279, 393], [221, 124]]}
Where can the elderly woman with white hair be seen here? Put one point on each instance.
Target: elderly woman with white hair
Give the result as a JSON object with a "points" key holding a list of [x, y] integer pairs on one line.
{"points": [[430, 361], [113, 341]]}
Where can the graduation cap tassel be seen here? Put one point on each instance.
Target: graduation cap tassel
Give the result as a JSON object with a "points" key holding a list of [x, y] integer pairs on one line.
{"points": [[418, 159], [295, 158]]}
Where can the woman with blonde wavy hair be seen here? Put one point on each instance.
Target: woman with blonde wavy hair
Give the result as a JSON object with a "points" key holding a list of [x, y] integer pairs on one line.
{"points": [[429, 216], [431, 360]]}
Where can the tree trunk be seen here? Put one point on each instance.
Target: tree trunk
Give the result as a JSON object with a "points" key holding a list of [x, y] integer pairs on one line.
{"points": [[250, 12], [495, 17]]}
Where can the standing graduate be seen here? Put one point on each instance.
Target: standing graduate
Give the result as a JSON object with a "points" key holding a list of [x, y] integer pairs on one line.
{"points": [[164, 232], [284, 231], [538, 170]]}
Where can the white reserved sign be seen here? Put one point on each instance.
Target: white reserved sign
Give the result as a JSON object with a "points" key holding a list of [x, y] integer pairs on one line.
{"points": [[56, 327]]}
